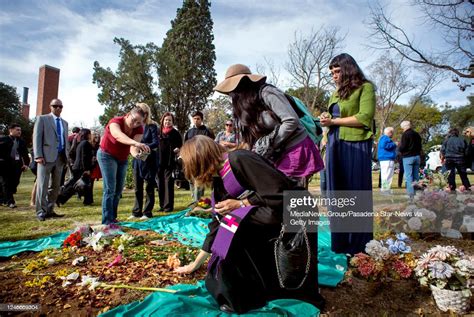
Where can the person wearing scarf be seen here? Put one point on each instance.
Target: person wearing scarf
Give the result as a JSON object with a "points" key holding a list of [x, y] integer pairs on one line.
{"points": [[170, 142]]}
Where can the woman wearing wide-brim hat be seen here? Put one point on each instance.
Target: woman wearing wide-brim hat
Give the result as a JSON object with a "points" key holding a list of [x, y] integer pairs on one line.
{"points": [[268, 123]]}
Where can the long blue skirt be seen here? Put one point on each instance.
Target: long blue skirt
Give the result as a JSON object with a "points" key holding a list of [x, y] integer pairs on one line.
{"points": [[349, 168]]}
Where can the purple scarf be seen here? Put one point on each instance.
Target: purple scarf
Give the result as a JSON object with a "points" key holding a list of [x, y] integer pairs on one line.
{"points": [[229, 224]]}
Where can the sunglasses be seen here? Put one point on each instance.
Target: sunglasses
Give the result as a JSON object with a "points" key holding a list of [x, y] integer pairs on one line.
{"points": [[57, 106], [228, 125]]}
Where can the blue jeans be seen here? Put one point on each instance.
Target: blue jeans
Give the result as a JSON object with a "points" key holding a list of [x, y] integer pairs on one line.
{"points": [[113, 174], [411, 166]]}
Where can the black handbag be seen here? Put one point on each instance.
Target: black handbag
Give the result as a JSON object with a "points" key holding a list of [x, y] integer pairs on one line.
{"points": [[292, 258]]}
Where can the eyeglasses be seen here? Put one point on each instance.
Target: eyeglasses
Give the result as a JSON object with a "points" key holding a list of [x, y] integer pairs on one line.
{"points": [[136, 120], [57, 106], [334, 72]]}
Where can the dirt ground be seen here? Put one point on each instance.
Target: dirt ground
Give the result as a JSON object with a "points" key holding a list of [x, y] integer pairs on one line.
{"points": [[150, 269], [404, 298]]}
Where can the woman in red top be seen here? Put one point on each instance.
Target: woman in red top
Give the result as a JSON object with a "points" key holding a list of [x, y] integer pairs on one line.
{"points": [[122, 136]]}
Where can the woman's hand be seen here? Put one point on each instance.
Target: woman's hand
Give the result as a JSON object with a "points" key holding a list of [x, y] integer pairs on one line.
{"points": [[226, 206], [191, 267], [326, 122], [143, 147], [187, 269]]}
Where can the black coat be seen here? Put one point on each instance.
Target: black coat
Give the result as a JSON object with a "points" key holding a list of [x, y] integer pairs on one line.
{"points": [[84, 153], [169, 142], [6, 144], [149, 167], [455, 147]]}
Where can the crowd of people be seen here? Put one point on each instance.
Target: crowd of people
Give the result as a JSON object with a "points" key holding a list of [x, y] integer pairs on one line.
{"points": [[456, 155], [263, 151]]}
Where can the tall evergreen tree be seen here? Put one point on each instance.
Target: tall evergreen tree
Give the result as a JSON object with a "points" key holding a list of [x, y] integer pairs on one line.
{"points": [[10, 112], [131, 83], [186, 61]]}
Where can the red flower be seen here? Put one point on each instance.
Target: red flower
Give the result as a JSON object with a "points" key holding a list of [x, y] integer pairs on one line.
{"points": [[73, 240]]}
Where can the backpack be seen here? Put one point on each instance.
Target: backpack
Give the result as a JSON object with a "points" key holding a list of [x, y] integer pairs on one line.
{"points": [[310, 123]]}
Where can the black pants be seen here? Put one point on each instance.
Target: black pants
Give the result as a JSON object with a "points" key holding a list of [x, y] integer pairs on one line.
{"points": [[401, 171], [138, 209], [166, 189], [10, 174], [88, 197], [453, 164]]}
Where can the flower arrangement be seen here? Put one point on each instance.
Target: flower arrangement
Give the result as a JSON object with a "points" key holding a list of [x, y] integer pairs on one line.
{"points": [[73, 240], [446, 268], [384, 261], [96, 237], [204, 203], [202, 209]]}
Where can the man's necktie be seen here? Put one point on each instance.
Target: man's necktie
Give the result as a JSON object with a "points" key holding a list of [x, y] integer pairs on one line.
{"points": [[60, 137]]}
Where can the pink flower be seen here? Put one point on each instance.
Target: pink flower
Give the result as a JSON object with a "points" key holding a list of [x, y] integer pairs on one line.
{"points": [[116, 261], [402, 269]]}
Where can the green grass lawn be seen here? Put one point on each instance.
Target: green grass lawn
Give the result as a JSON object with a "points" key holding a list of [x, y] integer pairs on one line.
{"points": [[21, 223]]}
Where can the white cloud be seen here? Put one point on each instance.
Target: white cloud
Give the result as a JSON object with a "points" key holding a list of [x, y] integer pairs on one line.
{"points": [[245, 32]]}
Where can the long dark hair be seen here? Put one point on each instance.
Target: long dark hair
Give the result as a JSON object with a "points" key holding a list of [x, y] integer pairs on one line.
{"points": [[247, 109], [84, 134], [351, 76]]}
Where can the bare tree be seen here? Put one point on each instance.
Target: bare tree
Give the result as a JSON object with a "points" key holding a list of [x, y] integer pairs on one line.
{"points": [[453, 19], [391, 77], [270, 70], [309, 58], [394, 79]]}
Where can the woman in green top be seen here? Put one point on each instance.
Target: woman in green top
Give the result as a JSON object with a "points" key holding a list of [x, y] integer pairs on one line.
{"points": [[348, 154]]}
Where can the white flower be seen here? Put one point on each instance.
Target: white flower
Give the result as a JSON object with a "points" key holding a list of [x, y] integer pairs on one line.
{"points": [[89, 280], [120, 248], [79, 260], [441, 270], [376, 250], [414, 223], [465, 266], [67, 280], [93, 241], [50, 261], [443, 252]]}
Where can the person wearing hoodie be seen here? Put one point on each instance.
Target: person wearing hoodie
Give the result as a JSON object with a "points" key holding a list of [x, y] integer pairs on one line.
{"points": [[386, 153]]}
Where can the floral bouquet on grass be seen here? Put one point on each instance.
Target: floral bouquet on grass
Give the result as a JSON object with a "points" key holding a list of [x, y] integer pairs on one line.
{"points": [[446, 268], [384, 261], [202, 209]]}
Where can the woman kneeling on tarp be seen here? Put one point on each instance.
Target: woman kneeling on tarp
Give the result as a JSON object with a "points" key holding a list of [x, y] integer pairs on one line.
{"points": [[242, 271]]}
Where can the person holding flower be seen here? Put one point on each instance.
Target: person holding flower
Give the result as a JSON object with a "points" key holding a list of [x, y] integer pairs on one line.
{"points": [[247, 216], [349, 148], [122, 136]]}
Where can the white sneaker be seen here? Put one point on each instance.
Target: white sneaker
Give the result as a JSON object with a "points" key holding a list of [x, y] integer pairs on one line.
{"points": [[133, 217], [144, 217]]}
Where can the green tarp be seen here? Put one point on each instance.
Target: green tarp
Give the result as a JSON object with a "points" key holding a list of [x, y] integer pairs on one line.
{"points": [[194, 300], [9, 248]]}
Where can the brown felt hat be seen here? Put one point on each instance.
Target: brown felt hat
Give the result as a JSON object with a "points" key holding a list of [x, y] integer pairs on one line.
{"points": [[233, 76]]}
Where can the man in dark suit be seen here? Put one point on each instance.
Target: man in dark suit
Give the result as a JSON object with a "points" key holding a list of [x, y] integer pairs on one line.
{"points": [[14, 160], [51, 150]]}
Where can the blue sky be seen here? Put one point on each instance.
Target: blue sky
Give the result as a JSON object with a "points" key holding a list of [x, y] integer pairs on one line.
{"points": [[72, 34]]}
